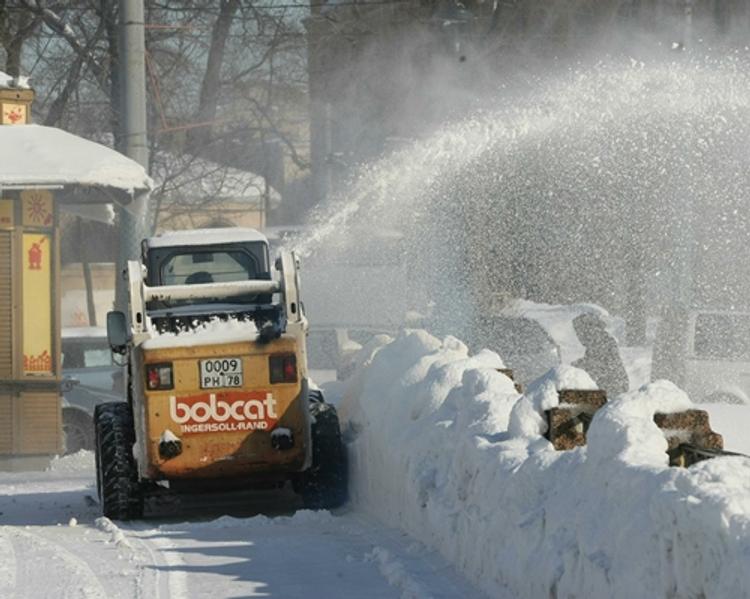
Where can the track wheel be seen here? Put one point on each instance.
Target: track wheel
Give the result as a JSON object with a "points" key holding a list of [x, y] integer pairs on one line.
{"points": [[324, 485], [116, 471]]}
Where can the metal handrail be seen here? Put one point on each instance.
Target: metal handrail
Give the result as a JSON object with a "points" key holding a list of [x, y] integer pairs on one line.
{"points": [[706, 452], [209, 290]]}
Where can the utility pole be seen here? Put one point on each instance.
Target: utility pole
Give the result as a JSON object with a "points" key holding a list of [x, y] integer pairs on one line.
{"points": [[133, 130], [687, 35]]}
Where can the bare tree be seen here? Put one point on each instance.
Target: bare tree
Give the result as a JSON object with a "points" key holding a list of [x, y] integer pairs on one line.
{"points": [[15, 28], [210, 86], [225, 79]]}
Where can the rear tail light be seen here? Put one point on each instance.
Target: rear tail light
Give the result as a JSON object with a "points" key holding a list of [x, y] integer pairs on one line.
{"points": [[283, 368], [159, 376]]}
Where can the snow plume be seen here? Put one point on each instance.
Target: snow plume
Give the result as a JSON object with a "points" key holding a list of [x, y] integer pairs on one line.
{"points": [[432, 453], [572, 186]]}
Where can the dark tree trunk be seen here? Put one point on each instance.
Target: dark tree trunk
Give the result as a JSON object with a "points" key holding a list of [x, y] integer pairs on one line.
{"points": [[200, 135], [15, 28], [109, 16], [57, 108]]}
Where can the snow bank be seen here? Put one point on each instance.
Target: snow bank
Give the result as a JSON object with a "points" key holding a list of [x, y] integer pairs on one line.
{"points": [[443, 447], [81, 461]]}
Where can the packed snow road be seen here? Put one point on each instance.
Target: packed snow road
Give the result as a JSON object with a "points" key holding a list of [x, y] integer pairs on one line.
{"points": [[54, 544]]}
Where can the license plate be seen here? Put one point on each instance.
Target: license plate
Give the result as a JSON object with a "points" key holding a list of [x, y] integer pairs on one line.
{"points": [[221, 372]]}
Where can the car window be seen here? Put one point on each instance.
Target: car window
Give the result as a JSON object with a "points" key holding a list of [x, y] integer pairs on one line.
{"points": [[722, 336], [72, 355], [85, 354], [97, 357]]}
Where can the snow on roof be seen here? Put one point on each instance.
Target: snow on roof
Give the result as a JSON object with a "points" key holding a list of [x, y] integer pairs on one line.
{"points": [[206, 237], [8, 82], [75, 332], [37, 155], [187, 178]]}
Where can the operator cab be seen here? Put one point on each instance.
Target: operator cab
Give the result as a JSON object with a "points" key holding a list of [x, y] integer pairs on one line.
{"points": [[203, 257]]}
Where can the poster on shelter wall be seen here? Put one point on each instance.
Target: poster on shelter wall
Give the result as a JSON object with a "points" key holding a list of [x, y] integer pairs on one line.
{"points": [[13, 114], [6, 214], [37, 304], [37, 208]]}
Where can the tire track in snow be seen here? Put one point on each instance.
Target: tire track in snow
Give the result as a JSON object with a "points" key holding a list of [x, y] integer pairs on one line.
{"points": [[305, 555], [396, 574], [169, 582], [74, 580], [8, 566]]}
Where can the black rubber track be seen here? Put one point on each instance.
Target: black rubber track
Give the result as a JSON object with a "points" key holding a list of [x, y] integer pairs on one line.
{"points": [[116, 471], [325, 485]]}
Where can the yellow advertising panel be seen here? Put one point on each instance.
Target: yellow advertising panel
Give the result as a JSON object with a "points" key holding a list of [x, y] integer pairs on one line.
{"points": [[6, 214], [13, 114], [37, 304], [37, 208]]}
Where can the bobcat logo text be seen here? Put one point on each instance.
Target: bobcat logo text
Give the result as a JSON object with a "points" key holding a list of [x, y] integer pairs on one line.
{"points": [[224, 412]]}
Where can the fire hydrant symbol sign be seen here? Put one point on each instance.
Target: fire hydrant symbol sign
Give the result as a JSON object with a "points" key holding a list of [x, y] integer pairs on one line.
{"points": [[37, 305], [35, 254], [224, 412]]}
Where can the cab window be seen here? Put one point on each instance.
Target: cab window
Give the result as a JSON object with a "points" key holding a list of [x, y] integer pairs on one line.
{"points": [[205, 266]]}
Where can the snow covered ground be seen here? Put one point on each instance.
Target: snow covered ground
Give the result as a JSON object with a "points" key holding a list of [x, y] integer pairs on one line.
{"points": [[53, 544], [455, 494]]}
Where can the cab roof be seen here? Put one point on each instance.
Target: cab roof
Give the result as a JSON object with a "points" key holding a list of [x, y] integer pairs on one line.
{"points": [[205, 237]]}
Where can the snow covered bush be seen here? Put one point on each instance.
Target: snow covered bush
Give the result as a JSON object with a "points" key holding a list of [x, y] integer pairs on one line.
{"points": [[442, 446]]}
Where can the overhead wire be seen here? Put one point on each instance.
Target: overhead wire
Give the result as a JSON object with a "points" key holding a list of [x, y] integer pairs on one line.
{"points": [[333, 4]]}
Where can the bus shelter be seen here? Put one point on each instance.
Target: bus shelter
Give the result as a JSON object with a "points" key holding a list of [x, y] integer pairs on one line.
{"points": [[43, 172]]}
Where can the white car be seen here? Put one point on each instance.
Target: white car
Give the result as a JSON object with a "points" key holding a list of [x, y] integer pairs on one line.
{"points": [[706, 353], [90, 378], [555, 322]]}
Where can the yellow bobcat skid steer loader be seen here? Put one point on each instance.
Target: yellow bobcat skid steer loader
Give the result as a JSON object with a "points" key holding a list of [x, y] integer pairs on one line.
{"points": [[218, 395]]}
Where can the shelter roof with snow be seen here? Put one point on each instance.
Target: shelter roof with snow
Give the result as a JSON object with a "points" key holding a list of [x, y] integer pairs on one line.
{"points": [[37, 156], [10, 82], [192, 180]]}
